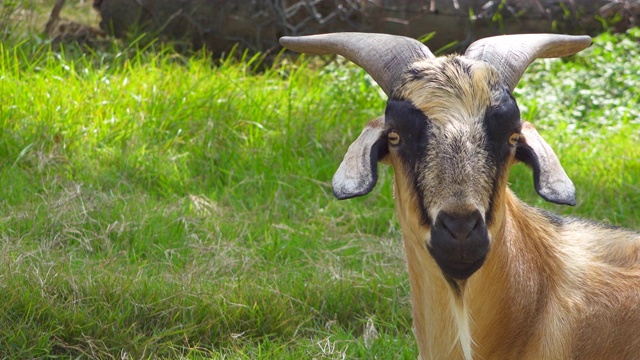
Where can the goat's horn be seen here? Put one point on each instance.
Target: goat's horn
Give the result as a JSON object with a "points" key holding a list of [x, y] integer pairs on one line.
{"points": [[384, 57], [512, 54]]}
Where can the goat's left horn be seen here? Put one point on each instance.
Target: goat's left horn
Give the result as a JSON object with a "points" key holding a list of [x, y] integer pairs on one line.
{"points": [[384, 57], [512, 54]]}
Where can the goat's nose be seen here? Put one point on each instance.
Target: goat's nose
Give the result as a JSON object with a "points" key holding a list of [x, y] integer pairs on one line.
{"points": [[459, 226]]}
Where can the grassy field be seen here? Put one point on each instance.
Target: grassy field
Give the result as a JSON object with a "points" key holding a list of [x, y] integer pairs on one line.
{"points": [[158, 206]]}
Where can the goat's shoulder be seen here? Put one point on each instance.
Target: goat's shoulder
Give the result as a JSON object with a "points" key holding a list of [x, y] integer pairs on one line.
{"points": [[607, 243], [578, 241]]}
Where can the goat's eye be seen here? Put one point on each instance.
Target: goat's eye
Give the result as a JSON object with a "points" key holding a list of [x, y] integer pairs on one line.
{"points": [[513, 139], [394, 137]]}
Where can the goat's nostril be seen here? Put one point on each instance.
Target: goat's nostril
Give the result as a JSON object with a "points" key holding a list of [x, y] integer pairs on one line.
{"points": [[460, 226]]}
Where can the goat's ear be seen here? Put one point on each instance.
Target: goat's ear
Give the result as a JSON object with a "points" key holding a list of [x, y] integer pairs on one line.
{"points": [[358, 172], [550, 180]]}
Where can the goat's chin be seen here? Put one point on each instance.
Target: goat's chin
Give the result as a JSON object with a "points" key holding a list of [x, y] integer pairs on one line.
{"points": [[459, 270]]}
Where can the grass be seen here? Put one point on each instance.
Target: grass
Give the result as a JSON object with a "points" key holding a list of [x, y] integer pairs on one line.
{"points": [[157, 206], [587, 108]]}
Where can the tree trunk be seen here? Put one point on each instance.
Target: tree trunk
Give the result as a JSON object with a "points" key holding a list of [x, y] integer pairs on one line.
{"points": [[256, 25]]}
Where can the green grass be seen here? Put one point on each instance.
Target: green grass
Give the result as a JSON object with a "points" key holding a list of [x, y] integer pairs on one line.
{"points": [[588, 109], [157, 206]]}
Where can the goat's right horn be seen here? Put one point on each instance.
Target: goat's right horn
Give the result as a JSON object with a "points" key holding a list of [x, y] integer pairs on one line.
{"points": [[384, 57], [512, 54]]}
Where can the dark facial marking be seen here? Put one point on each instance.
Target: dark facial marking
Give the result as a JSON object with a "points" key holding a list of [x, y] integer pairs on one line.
{"points": [[413, 127], [500, 121], [408, 121]]}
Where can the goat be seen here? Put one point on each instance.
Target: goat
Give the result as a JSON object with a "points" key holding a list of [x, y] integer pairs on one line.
{"points": [[491, 277]]}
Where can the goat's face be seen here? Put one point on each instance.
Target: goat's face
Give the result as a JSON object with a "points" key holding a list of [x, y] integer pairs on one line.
{"points": [[451, 131]]}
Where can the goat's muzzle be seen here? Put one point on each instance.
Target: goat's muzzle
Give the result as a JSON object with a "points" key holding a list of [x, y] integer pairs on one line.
{"points": [[459, 243]]}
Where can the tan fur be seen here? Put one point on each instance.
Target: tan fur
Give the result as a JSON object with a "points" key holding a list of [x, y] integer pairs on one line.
{"points": [[543, 293], [447, 93], [546, 290]]}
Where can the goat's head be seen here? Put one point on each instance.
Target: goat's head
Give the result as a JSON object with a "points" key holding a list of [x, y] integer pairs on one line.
{"points": [[451, 130]]}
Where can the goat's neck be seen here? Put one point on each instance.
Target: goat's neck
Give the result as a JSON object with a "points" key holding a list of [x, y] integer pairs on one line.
{"points": [[507, 295], [496, 302]]}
